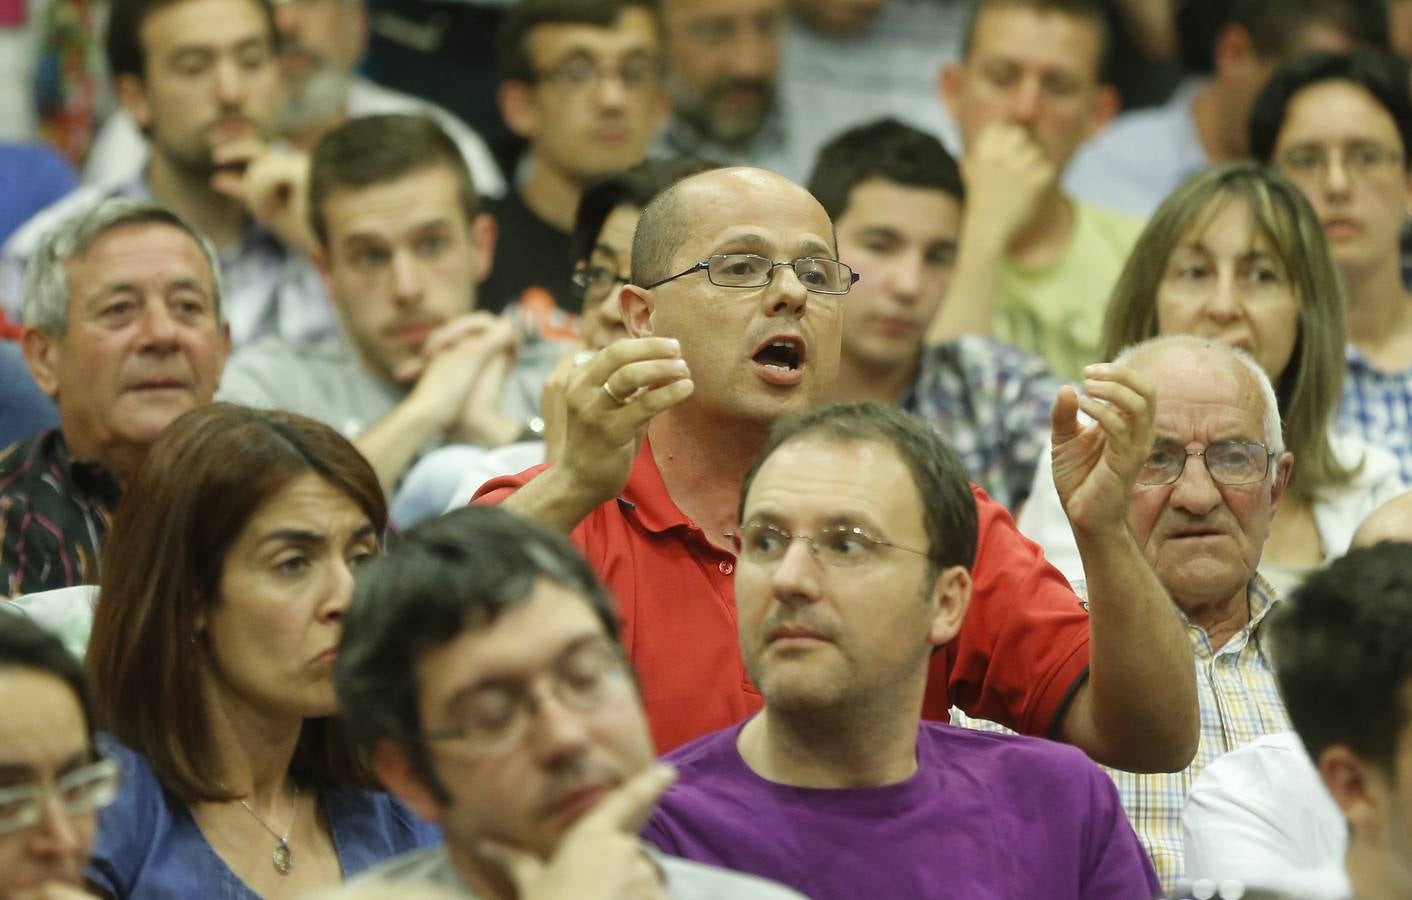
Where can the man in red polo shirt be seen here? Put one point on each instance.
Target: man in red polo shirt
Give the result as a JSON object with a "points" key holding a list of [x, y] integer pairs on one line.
{"points": [[735, 312]]}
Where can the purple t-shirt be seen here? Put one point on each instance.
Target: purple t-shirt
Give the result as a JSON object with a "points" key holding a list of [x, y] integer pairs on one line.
{"points": [[985, 815]]}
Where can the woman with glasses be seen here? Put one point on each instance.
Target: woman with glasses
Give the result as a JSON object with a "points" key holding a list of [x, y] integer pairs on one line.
{"points": [[51, 780], [1340, 128], [1237, 255], [226, 575]]}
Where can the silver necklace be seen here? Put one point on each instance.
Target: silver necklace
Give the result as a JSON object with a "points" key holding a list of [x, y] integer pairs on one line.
{"points": [[283, 857]]}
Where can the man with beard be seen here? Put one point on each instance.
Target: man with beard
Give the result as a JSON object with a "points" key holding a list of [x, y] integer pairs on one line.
{"points": [[321, 43], [200, 77], [724, 58]]}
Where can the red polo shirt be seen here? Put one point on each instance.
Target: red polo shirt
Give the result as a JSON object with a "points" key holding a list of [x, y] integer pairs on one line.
{"points": [[1022, 649]]}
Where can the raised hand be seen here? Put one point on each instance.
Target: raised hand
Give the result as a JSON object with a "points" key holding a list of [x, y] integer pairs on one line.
{"points": [[600, 857], [1096, 465], [609, 401]]}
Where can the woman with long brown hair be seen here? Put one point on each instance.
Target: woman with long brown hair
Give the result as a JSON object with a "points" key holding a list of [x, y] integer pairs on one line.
{"points": [[226, 574], [1236, 254]]}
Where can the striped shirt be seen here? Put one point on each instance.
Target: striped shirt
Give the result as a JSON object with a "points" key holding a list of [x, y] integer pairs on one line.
{"points": [[1239, 700], [54, 514], [1378, 406]]}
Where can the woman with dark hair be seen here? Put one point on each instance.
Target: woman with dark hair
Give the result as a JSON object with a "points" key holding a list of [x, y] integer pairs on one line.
{"points": [[226, 575], [1236, 254]]}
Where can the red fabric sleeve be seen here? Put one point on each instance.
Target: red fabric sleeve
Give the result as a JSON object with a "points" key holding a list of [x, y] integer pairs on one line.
{"points": [[1023, 646]]}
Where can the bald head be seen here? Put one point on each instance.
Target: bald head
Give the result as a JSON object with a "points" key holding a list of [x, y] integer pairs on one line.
{"points": [[1390, 522], [1181, 355], [668, 220]]}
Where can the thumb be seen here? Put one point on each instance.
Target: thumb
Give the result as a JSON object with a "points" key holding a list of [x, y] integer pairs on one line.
{"points": [[522, 867], [1064, 416]]}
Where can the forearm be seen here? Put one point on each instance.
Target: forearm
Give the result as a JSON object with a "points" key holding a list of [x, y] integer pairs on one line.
{"points": [[1138, 710], [969, 305], [393, 443], [554, 499]]}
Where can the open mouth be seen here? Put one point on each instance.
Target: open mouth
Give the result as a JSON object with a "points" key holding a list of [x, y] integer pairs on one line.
{"points": [[786, 354]]}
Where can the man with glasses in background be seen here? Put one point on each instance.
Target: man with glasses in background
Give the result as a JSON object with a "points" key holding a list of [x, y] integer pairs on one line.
{"points": [[52, 782], [581, 81], [480, 666], [856, 543], [735, 312], [1340, 127]]}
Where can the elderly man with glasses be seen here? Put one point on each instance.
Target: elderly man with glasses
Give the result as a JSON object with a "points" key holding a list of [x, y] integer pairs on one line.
{"points": [[1201, 511], [741, 327], [481, 668], [52, 782]]}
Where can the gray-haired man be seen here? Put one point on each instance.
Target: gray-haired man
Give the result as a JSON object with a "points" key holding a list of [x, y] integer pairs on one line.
{"points": [[123, 329]]}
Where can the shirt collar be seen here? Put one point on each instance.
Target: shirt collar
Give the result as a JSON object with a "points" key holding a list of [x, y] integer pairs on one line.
{"points": [[646, 494], [90, 478]]}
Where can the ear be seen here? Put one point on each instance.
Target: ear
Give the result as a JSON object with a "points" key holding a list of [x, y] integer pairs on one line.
{"points": [[950, 83], [952, 593], [1105, 106], [42, 352], [397, 773], [517, 108], [484, 233], [1356, 787], [132, 94], [636, 305], [1284, 470]]}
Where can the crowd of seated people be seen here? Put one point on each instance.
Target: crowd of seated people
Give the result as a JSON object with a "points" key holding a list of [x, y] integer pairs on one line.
{"points": [[748, 448]]}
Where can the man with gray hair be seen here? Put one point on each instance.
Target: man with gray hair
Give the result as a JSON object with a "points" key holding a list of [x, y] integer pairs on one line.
{"points": [[123, 328], [1201, 510]]}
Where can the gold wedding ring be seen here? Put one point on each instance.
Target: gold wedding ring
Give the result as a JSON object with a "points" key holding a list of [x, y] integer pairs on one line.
{"points": [[621, 401]]}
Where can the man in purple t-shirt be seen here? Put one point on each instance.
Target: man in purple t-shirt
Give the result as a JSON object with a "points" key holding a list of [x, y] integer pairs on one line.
{"points": [[857, 534]]}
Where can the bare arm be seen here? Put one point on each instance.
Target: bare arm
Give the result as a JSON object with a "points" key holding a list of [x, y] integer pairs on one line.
{"points": [[1138, 708], [601, 435]]}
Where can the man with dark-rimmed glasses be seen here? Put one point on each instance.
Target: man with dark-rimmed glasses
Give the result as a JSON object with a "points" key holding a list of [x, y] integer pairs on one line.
{"points": [[480, 666], [663, 426], [51, 780]]}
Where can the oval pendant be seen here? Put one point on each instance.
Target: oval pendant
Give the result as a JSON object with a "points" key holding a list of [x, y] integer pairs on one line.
{"points": [[283, 859]]}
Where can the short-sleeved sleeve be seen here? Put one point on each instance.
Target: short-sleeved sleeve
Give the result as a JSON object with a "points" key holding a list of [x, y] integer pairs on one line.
{"points": [[1023, 648], [1115, 859]]}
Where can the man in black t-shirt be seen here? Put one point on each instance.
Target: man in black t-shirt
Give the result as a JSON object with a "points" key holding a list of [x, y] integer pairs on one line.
{"points": [[581, 80]]}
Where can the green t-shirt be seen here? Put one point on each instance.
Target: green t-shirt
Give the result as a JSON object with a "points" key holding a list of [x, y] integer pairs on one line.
{"points": [[1056, 311]]}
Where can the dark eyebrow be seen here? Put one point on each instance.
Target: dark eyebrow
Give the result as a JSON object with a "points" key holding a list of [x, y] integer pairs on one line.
{"points": [[300, 536]]}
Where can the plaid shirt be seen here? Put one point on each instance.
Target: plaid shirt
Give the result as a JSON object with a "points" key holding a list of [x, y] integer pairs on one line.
{"points": [[54, 514], [1378, 406], [991, 402], [1239, 701]]}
